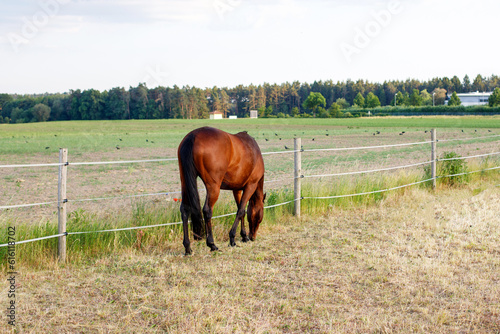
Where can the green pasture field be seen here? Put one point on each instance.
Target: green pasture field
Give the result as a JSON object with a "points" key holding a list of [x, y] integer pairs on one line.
{"points": [[101, 136]]}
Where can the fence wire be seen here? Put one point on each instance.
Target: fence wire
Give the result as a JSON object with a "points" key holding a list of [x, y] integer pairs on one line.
{"points": [[119, 162], [266, 207], [465, 173], [368, 192], [264, 153], [122, 197], [270, 181], [36, 239], [469, 157], [6, 207], [32, 165], [132, 227], [364, 147], [368, 171], [402, 186], [465, 139]]}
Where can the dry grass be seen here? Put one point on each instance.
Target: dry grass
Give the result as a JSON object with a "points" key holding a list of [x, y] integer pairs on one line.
{"points": [[415, 262]]}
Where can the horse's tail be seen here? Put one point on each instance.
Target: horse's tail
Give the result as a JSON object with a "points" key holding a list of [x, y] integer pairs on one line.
{"points": [[190, 196]]}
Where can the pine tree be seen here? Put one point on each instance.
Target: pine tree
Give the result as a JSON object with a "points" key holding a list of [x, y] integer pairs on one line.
{"points": [[372, 101], [416, 98], [454, 100], [494, 99], [359, 100]]}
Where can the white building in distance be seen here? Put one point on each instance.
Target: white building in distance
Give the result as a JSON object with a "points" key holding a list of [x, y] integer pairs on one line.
{"points": [[216, 115], [472, 99]]}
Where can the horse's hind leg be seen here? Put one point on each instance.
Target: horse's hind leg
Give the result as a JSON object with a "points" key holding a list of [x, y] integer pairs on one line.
{"points": [[241, 213], [212, 196], [243, 232], [185, 228], [197, 222]]}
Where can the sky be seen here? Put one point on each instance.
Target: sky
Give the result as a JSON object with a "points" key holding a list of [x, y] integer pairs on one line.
{"points": [[55, 46]]}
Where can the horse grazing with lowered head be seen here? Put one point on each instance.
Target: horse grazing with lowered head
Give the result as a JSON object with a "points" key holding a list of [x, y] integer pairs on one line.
{"points": [[222, 161]]}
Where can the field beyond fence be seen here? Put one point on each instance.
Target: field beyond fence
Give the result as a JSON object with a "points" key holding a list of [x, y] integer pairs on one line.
{"points": [[356, 172]]}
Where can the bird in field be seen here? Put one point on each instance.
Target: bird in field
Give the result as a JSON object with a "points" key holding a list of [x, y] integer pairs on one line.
{"points": [[55, 135], [374, 134], [327, 134], [276, 134], [147, 141], [47, 148], [266, 139], [462, 130], [403, 132], [286, 147], [475, 130], [400, 134], [117, 147], [489, 130], [378, 132], [313, 139], [120, 139]]}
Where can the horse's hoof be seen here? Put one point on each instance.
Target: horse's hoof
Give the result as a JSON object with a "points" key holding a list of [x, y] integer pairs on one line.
{"points": [[213, 248], [232, 243], [188, 252], [245, 239]]}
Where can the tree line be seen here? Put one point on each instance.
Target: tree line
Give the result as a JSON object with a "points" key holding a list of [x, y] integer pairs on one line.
{"points": [[271, 100]]}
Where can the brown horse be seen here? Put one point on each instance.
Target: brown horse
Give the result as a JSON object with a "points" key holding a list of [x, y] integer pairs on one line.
{"points": [[222, 161]]}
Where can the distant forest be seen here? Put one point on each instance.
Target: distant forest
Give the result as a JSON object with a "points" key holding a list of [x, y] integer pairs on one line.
{"points": [[271, 100]]}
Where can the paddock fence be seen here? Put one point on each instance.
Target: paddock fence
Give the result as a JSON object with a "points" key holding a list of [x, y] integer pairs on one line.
{"points": [[298, 175]]}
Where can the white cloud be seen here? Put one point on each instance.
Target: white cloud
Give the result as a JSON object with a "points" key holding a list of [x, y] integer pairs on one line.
{"points": [[103, 44], [139, 12]]}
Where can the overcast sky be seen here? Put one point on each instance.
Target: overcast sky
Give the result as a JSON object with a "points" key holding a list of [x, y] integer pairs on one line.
{"points": [[57, 45]]}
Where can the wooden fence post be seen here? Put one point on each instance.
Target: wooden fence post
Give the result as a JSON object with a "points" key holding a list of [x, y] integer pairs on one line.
{"points": [[297, 146], [433, 157], [61, 203]]}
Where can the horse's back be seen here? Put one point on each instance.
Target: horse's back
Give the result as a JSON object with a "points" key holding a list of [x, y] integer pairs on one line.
{"points": [[247, 162], [223, 157], [250, 148]]}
